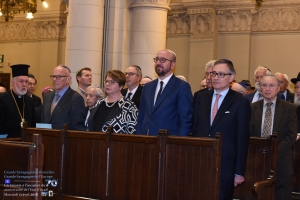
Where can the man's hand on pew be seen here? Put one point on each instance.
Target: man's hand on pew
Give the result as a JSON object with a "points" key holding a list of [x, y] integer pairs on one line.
{"points": [[298, 136], [238, 180]]}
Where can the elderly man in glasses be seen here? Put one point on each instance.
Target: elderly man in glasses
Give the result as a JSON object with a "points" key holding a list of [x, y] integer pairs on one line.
{"points": [[226, 111], [270, 115], [166, 103], [133, 91], [63, 105]]}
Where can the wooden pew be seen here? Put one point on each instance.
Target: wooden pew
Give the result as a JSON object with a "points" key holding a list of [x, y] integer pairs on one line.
{"points": [[21, 159], [116, 166], [192, 168], [260, 167], [53, 141], [85, 164], [296, 178]]}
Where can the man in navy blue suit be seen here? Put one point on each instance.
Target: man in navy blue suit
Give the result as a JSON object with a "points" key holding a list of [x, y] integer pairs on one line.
{"points": [[226, 111], [166, 103]]}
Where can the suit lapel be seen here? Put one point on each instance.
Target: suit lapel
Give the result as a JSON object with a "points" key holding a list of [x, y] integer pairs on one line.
{"points": [[224, 107], [207, 108], [258, 112], [64, 99], [47, 106], [168, 89], [137, 93], [279, 109], [149, 94]]}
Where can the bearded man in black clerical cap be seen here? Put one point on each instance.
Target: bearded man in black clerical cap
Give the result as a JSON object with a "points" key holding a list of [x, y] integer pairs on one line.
{"points": [[15, 106]]}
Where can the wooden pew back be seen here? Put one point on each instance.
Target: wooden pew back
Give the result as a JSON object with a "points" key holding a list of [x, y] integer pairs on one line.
{"points": [[85, 165], [260, 162], [296, 177], [20, 160], [115, 166], [192, 168], [53, 141]]}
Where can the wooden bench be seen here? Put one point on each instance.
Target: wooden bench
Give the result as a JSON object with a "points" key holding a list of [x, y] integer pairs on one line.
{"points": [[21, 163], [53, 141], [116, 166], [296, 178], [260, 167]]}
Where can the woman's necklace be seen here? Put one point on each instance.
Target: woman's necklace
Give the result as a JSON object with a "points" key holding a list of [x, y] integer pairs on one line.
{"points": [[106, 103], [23, 120]]}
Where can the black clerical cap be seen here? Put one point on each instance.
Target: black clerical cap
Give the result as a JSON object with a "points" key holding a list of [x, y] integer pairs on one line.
{"points": [[19, 70], [294, 80]]}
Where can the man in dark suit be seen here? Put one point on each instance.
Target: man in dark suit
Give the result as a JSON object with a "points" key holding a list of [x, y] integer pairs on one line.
{"points": [[226, 111], [15, 105], [166, 103], [133, 91], [64, 105], [284, 82], [30, 90], [296, 82], [275, 115]]}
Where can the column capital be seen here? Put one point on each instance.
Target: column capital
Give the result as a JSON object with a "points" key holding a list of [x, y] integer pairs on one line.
{"points": [[162, 4]]}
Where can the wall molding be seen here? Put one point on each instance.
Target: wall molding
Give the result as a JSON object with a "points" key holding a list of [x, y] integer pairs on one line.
{"points": [[197, 18], [45, 26]]}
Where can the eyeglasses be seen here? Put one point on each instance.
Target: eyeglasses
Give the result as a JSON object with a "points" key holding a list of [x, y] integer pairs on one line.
{"points": [[271, 86], [130, 73], [58, 77], [110, 82], [162, 60], [297, 87], [220, 75]]}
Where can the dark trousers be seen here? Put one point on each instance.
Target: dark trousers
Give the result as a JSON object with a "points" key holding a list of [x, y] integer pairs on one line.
{"points": [[226, 189], [284, 187]]}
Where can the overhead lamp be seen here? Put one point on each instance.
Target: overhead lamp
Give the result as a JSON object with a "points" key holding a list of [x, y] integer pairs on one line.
{"points": [[29, 15], [9, 8]]}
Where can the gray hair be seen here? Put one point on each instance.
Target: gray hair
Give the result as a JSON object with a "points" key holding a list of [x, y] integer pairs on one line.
{"points": [[284, 75], [209, 64], [272, 76], [268, 72], [98, 92]]}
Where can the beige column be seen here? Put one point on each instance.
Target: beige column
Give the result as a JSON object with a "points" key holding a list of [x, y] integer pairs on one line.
{"points": [[85, 37], [148, 32]]}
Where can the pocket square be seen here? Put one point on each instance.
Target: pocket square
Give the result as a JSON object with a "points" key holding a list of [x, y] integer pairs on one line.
{"points": [[227, 112]]}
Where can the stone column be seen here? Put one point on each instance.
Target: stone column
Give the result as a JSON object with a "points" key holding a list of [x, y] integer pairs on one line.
{"points": [[148, 32], [85, 37]]}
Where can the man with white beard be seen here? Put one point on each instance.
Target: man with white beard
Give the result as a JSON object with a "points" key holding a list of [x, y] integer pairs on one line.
{"points": [[15, 106], [296, 82]]}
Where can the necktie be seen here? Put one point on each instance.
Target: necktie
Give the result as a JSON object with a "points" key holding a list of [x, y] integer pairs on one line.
{"points": [[160, 90], [267, 121], [215, 107], [129, 95], [54, 102], [259, 96]]}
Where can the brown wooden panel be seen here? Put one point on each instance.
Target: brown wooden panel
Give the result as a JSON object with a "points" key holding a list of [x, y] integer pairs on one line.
{"points": [[259, 164], [296, 156], [187, 178], [21, 162], [53, 152], [133, 167], [85, 164]]}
